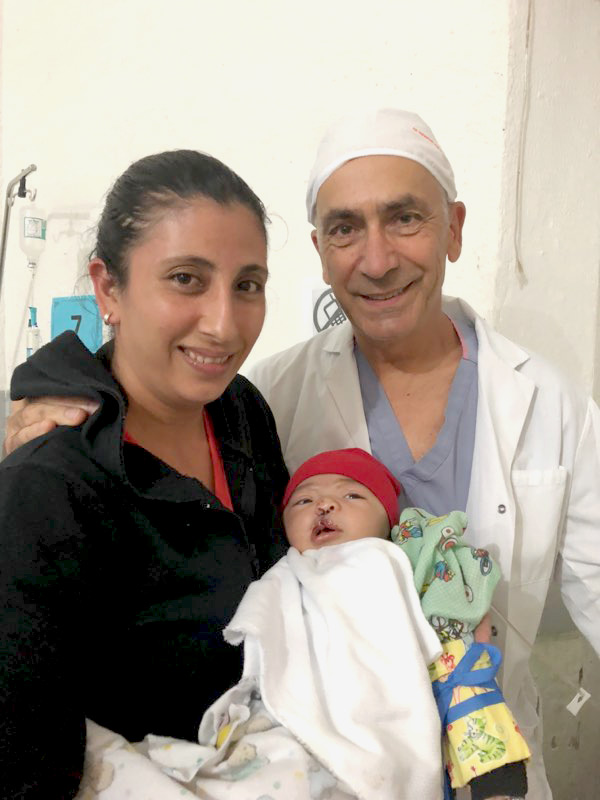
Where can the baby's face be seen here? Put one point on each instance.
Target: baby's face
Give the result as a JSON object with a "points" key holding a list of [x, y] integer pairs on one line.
{"points": [[331, 509]]}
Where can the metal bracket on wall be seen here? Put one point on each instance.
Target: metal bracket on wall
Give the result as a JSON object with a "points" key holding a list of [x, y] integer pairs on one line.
{"points": [[11, 194]]}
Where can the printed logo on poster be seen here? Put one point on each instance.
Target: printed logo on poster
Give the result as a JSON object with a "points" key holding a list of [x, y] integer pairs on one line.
{"points": [[327, 311]]}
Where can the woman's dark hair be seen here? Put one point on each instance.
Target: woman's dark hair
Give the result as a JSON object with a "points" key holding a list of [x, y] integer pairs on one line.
{"points": [[155, 184]]}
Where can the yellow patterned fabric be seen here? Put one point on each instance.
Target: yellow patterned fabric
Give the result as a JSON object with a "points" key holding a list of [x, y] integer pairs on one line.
{"points": [[482, 740]]}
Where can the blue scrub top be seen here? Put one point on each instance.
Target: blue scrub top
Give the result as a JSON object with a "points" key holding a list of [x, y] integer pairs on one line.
{"points": [[439, 481]]}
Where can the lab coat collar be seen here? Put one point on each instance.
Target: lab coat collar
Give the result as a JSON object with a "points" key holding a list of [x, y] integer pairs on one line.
{"points": [[504, 401], [505, 393], [506, 351], [341, 377], [341, 338]]}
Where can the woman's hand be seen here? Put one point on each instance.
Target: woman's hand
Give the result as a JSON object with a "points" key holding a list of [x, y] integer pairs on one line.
{"points": [[32, 418]]}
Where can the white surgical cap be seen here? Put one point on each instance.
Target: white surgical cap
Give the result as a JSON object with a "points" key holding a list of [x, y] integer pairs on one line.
{"points": [[385, 132]]}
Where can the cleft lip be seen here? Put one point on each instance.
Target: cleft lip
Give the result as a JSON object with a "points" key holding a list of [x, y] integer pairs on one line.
{"points": [[324, 525]]}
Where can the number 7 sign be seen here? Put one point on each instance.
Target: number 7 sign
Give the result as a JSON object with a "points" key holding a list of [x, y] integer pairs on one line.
{"points": [[80, 314]]}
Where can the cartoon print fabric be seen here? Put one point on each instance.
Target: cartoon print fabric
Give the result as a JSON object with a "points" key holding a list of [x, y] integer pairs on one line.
{"points": [[456, 583]]}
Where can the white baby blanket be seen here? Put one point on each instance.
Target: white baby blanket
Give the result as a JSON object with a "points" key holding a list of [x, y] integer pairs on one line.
{"points": [[340, 647], [335, 701]]}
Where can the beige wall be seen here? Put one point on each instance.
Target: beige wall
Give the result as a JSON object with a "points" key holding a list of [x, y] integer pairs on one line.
{"points": [[550, 302], [88, 87]]}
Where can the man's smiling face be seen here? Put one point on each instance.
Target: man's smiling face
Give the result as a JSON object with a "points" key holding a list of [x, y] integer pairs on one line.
{"points": [[384, 229]]}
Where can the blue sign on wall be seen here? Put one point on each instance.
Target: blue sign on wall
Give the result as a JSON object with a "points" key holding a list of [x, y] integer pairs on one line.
{"points": [[78, 313]]}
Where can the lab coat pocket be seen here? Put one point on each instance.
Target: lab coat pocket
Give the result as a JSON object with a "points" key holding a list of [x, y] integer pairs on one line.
{"points": [[539, 495]]}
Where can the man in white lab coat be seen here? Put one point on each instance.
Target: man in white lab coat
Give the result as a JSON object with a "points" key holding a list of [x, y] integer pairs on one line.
{"points": [[463, 417]]}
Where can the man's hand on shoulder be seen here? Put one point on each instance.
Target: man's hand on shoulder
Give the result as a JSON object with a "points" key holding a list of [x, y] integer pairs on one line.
{"points": [[32, 418]]}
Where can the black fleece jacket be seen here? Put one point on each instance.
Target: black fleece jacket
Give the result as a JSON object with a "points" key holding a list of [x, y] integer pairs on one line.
{"points": [[118, 574]]}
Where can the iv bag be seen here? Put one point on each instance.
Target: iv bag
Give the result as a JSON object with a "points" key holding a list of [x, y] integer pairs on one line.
{"points": [[32, 232]]}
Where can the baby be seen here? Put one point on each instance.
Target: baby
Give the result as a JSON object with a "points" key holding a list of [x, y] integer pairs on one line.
{"points": [[339, 496], [346, 495], [335, 700]]}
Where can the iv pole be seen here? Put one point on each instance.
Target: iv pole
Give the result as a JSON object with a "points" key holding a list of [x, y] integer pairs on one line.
{"points": [[10, 199]]}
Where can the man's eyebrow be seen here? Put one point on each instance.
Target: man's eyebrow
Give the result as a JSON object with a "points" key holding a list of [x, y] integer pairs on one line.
{"points": [[339, 215], [403, 203], [400, 203]]}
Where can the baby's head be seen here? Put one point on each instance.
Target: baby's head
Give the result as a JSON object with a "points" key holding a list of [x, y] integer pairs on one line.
{"points": [[339, 496]]}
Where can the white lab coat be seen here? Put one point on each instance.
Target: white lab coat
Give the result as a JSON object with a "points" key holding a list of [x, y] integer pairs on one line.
{"points": [[534, 499]]}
